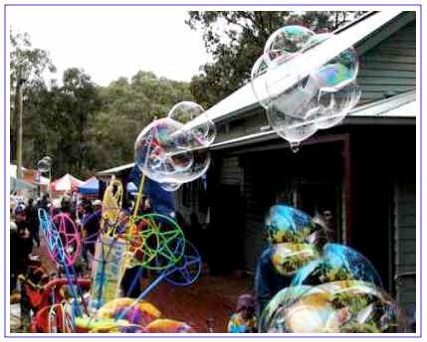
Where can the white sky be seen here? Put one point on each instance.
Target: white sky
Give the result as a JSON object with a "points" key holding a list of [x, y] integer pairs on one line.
{"points": [[109, 42]]}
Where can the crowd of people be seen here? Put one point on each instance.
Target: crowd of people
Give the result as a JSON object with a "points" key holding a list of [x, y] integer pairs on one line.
{"points": [[28, 269], [25, 227]]}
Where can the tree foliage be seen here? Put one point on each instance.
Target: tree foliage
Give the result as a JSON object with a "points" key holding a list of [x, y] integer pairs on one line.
{"points": [[127, 107], [236, 39], [27, 65]]}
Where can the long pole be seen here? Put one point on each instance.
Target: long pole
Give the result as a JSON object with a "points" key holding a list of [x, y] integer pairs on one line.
{"points": [[50, 180], [19, 140]]}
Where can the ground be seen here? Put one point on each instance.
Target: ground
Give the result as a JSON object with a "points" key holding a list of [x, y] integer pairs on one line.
{"points": [[211, 297]]}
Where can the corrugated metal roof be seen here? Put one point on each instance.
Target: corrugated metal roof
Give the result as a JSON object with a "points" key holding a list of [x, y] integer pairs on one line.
{"points": [[401, 106]]}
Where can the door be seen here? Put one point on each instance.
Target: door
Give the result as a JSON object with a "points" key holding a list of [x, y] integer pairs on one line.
{"points": [[225, 243]]}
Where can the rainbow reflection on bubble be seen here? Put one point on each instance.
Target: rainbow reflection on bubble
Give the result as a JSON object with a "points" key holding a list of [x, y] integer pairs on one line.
{"points": [[288, 39], [174, 150], [287, 257], [337, 307], [338, 262], [295, 113]]}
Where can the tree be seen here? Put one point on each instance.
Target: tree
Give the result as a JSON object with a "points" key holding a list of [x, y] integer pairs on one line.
{"points": [[80, 101], [236, 39], [128, 107], [56, 119], [27, 65], [85, 127]]}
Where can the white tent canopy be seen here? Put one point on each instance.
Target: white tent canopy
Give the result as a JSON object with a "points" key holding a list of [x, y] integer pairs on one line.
{"points": [[66, 183]]}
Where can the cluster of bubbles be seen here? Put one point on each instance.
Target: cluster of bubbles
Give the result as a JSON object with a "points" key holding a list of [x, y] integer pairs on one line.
{"points": [[318, 100], [333, 287], [174, 150]]}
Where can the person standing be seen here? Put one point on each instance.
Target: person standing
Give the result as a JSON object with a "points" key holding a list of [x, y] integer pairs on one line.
{"points": [[14, 255], [33, 221], [90, 227], [25, 241], [45, 202], [244, 319]]}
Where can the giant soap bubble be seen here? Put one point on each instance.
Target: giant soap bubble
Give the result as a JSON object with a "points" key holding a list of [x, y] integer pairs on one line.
{"points": [[293, 113], [317, 100], [281, 299], [296, 238], [334, 106], [337, 307], [287, 257], [201, 134], [338, 262], [258, 83], [158, 152], [288, 224], [288, 39], [160, 155], [170, 186], [338, 72], [174, 150]]}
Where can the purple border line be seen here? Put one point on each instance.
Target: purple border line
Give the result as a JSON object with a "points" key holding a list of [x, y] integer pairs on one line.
{"points": [[212, 335], [216, 335], [6, 226], [421, 171], [208, 5]]}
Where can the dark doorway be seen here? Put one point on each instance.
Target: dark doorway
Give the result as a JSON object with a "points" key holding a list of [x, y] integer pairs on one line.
{"points": [[225, 243]]}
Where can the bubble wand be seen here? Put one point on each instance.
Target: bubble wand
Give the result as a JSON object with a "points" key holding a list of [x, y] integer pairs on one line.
{"points": [[67, 234]]}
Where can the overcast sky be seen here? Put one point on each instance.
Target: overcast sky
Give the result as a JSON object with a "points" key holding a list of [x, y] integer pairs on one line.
{"points": [[109, 42]]}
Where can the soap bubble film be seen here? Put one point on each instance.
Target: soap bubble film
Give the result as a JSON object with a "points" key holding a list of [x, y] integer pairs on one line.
{"points": [[289, 39], [338, 262], [174, 150], [337, 307], [198, 135], [287, 257], [319, 100]]}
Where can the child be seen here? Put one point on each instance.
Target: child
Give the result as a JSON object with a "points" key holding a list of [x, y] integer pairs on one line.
{"points": [[244, 320]]}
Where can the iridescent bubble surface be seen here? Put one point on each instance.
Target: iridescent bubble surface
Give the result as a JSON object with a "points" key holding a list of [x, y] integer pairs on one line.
{"points": [[289, 39], [338, 262], [300, 102], [193, 135], [337, 307], [288, 257]]}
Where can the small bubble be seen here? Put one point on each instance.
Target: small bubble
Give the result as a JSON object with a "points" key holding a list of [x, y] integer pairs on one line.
{"points": [[295, 147]]}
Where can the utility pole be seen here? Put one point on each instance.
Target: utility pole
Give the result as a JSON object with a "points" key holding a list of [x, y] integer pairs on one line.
{"points": [[20, 102]]}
